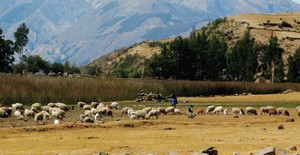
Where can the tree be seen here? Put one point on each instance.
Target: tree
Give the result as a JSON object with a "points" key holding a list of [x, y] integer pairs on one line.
{"points": [[21, 40], [57, 68], [294, 67], [272, 58], [6, 54], [37, 64]]}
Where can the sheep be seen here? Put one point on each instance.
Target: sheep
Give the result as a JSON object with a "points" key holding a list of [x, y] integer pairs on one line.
{"points": [[46, 108], [88, 113], [177, 111], [46, 115], [251, 111], [97, 117], [57, 113], [139, 114], [17, 106], [285, 113], [280, 110], [114, 105], [80, 104], [100, 105], [37, 106], [124, 111], [170, 109], [3, 113], [297, 108], [298, 112], [29, 113], [39, 117], [201, 111], [238, 111], [8, 110], [162, 110], [272, 111], [210, 109], [225, 112], [86, 119], [52, 105], [132, 116], [152, 113], [94, 104], [147, 109], [105, 111], [129, 111], [62, 106], [86, 107], [218, 109], [264, 110], [18, 115]]}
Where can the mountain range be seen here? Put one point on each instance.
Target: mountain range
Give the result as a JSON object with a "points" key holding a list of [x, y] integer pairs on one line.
{"points": [[82, 30]]}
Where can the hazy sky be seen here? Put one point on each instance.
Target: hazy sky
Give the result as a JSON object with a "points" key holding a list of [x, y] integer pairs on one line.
{"points": [[298, 1]]}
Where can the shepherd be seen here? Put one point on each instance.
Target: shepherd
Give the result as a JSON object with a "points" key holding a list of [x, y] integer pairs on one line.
{"points": [[173, 99]]}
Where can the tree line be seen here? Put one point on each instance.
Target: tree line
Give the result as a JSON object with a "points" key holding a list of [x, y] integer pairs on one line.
{"points": [[208, 58]]}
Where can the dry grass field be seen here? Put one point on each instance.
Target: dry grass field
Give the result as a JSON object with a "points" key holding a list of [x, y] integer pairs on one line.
{"points": [[169, 133]]}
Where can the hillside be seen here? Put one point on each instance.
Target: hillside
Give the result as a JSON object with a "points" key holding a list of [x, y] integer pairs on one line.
{"points": [[261, 27], [81, 30]]}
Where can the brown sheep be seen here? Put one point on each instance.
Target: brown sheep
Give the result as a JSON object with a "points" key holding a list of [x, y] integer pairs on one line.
{"points": [[201, 111], [272, 111], [285, 113]]}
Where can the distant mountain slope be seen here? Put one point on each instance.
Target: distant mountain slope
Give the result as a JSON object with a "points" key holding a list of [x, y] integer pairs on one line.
{"points": [[82, 30], [261, 27]]}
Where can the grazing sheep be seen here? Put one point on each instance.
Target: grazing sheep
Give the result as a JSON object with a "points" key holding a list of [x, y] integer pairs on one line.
{"points": [[251, 111], [105, 111], [94, 104], [18, 114], [29, 113], [46, 108], [8, 110], [225, 112], [88, 113], [132, 116], [114, 105], [86, 119], [139, 114], [210, 109], [280, 110], [86, 107], [37, 106], [147, 109], [17, 106], [46, 115], [57, 113], [297, 108], [3, 113], [100, 106], [97, 117], [124, 111], [238, 111], [39, 117], [129, 111], [201, 111], [152, 113], [177, 111], [218, 110], [80, 104], [162, 110], [62, 106], [285, 113], [264, 110], [170, 109], [272, 111], [52, 105], [298, 112]]}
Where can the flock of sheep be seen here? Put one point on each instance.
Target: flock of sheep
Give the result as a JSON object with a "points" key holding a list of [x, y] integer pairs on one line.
{"points": [[95, 111]]}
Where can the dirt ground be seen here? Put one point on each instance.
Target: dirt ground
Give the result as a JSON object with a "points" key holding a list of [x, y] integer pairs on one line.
{"points": [[169, 133]]}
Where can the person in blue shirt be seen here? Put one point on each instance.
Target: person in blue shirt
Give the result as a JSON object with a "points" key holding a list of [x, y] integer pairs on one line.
{"points": [[173, 99]]}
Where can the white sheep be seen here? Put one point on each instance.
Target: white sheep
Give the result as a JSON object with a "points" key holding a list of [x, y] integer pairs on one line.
{"points": [[129, 111], [162, 110], [62, 106], [46, 115], [114, 105], [17, 106], [124, 111], [263, 110], [177, 111], [100, 106], [57, 113], [37, 106], [18, 115], [251, 111], [218, 110], [169, 109], [46, 108], [280, 110], [29, 113], [152, 113], [297, 108], [3, 113], [298, 112], [139, 114], [210, 109], [80, 104], [86, 119], [94, 104], [39, 117], [88, 113], [237, 111], [225, 112], [86, 107], [132, 116], [147, 109], [52, 105]]}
